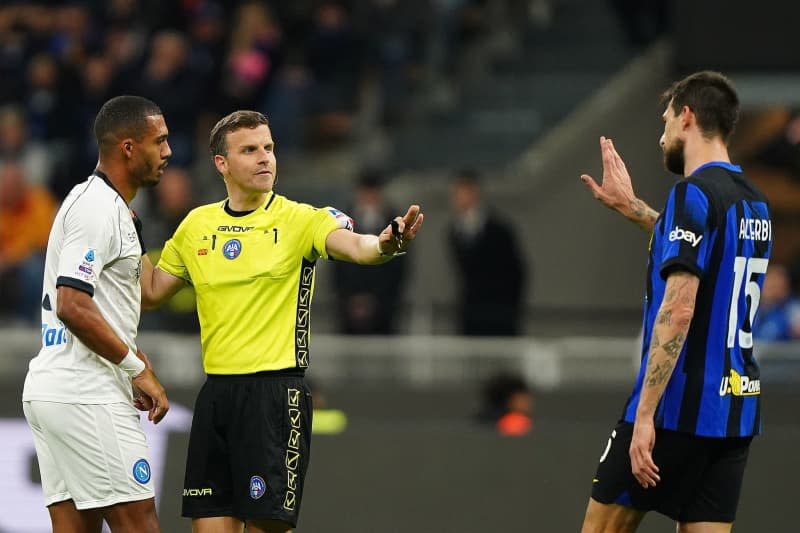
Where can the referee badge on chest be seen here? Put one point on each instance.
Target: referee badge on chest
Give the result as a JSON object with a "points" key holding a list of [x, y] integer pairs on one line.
{"points": [[232, 248]]}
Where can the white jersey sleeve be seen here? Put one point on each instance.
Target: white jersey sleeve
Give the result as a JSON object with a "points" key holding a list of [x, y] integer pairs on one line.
{"points": [[90, 240]]}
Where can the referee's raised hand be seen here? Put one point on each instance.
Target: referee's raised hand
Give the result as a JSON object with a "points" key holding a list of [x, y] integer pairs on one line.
{"points": [[398, 234]]}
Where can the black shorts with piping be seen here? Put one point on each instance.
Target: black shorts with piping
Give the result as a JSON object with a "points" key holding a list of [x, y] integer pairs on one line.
{"points": [[249, 447]]}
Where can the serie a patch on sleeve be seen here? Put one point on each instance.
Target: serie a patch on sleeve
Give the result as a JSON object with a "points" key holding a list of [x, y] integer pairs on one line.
{"points": [[342, 220]]}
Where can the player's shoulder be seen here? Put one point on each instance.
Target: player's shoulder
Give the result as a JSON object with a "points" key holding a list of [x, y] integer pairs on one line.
{"points": [[725, 185], [692, 188], [92, 198]]}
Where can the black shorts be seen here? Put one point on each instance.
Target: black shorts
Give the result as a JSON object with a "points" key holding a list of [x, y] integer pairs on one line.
{"points": [[701, 477], [249, 447]]}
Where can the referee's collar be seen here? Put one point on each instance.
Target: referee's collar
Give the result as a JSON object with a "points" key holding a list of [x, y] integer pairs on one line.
{"points": [[227, 207], [102, 175]]}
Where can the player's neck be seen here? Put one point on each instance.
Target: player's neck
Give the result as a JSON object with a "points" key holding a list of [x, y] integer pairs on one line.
{"points": [[702, 152], [244, 201], [118, 178]]}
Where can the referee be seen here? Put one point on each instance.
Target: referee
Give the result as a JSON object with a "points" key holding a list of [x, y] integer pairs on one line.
{"points": [[251, 260], [682, 443]]}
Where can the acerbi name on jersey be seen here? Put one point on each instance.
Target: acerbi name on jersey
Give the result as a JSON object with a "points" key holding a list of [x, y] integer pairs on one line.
{"points": [[755, 229], [739, 385]]}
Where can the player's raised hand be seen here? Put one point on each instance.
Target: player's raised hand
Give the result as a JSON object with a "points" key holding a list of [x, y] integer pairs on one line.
{"points": [[152, 395], [397, 236], [616, 190]]}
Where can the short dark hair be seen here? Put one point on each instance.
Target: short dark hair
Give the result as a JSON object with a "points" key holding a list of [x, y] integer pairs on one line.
{"points": [[711, 97], [217, 142], [123, 116]]}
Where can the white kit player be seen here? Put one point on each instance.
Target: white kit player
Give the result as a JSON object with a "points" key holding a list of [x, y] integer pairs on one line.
{"points": [[78, 396]]}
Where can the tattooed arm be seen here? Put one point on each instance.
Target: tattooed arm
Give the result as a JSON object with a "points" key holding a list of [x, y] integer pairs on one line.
{"points": [[616, 190], [669, 333]]}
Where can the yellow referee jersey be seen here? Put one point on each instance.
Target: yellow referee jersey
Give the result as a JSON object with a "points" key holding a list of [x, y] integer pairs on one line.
{"points": [[253, 274]]}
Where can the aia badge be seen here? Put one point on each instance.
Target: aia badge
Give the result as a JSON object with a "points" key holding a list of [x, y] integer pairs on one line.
{"points": [[343, 221], [141, 471], [232, 249], [257, 487]]}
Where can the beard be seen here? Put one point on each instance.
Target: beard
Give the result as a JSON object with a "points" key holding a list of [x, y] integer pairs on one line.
{"points": [[147, 174], [673, 157]]}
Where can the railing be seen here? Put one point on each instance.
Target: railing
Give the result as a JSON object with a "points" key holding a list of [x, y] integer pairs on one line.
{"points": [[547, 363]]}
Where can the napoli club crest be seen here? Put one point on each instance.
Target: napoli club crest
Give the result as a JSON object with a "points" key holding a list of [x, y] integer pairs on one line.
{"points": [[257, 487], [141, 471], [232, 249]]}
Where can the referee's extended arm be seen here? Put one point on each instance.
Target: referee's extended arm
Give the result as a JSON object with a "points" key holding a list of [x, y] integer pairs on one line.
{"points": [[157, 286], [364, 249]]}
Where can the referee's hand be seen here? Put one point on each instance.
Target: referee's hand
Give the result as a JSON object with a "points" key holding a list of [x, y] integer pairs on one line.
{"points": [[154, 397], [397, 236]]}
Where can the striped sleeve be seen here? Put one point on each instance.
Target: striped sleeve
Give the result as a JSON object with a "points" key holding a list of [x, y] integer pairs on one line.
{"points": [[686, 231]]}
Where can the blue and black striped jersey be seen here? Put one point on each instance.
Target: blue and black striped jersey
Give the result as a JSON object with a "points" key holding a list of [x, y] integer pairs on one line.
{"points": [[715, 225]]}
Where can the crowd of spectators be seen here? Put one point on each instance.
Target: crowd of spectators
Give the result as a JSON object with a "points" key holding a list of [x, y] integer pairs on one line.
{"points": [[305, 64]]}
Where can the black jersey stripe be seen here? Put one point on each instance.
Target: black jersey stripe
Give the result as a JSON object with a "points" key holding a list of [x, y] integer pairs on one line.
{"points": [[695, 350], [302, 328], [736, 402], [271, 198]]}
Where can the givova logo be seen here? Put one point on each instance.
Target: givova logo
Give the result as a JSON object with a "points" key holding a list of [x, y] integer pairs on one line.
{"points": [[739, 385], [680, 234], [206, 491]]}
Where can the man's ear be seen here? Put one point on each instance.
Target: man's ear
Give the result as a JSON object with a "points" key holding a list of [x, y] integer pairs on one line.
{"points": [[221, 163], [687, 116], [127, 147]]}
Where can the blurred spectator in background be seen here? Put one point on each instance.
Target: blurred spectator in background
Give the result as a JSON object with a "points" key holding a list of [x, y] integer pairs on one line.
{"points": [[397, 40], [779, 310], [507, 405], [167, 78], [335, 57], [783, 149], [287, 102], [369, 298], [15, 146], [26, 213], [642, 20], [255, 53], [489, 262]]}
